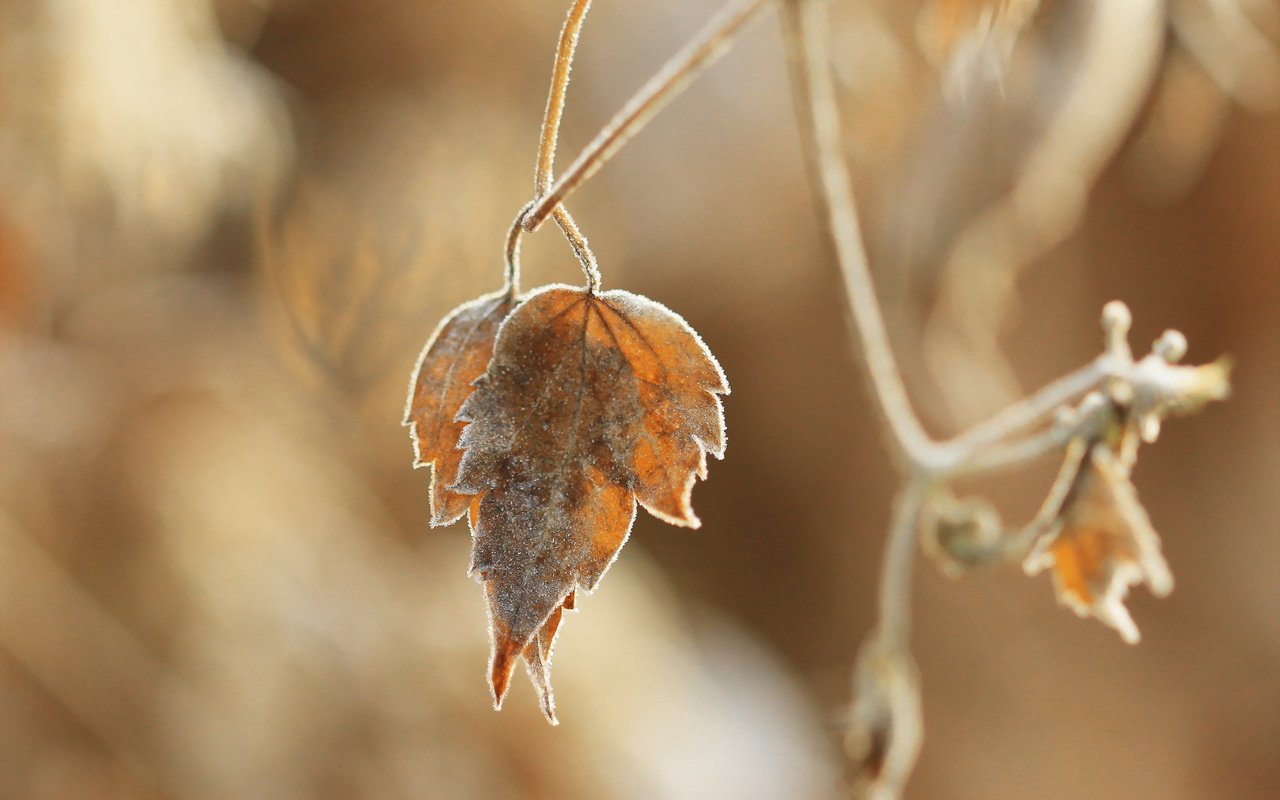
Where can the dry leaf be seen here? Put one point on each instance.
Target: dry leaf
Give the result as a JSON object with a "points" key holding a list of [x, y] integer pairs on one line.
{"points": [[592, 403], [455, 355], [1100, 541]]}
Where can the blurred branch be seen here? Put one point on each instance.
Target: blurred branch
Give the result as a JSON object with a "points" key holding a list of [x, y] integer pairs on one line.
{"points": [[1106, 56], [965, 450], [336, 288], [820, 122], [885, 729]]}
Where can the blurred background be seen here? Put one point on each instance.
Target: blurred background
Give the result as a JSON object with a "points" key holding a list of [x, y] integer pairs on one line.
{"points": [[228, 226]]}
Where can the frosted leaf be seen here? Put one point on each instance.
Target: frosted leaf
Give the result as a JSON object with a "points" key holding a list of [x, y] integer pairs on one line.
{"points": [[591, 403]]}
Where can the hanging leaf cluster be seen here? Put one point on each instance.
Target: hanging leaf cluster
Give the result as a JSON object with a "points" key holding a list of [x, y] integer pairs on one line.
{"points": [[546, 420]]}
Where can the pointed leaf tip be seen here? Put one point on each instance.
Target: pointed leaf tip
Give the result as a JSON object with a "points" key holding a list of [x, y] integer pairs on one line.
{"points": [[502, 665]]}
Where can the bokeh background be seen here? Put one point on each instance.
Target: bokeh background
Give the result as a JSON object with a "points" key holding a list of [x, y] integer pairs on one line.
{"points": [[227, 227]]}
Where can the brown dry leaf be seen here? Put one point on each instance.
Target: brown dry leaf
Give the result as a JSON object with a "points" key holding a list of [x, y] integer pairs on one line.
{"points": [[592, 403], [456, 354], [1100, 541]]}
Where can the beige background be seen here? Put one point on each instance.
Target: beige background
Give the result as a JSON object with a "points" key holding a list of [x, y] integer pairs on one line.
{"points": [[215, 572]]}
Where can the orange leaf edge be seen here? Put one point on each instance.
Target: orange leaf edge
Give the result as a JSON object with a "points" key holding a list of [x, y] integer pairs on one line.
{"points": [[447, 506]]}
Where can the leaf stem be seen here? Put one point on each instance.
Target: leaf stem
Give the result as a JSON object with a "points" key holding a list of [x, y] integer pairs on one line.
{"points": [[675, 75], [511, 254], [549, 138], [577, 241]]}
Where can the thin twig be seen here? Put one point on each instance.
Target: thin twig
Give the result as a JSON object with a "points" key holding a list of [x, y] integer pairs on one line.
{"points": [[1003, 455], [675, 75], [889, 697], [966, 450], [806, 23], [549, 139], [899, 559]]}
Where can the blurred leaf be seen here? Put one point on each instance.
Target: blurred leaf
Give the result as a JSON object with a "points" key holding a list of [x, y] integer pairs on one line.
{"points": [[1100, 541]]}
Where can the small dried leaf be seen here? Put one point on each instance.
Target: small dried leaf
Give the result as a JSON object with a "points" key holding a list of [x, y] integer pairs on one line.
{"points": [[592, 403], [456, 354], [1100, 541]]}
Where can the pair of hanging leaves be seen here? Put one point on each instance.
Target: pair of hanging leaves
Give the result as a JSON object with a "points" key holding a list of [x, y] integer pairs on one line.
{"points": [[546, 420]]}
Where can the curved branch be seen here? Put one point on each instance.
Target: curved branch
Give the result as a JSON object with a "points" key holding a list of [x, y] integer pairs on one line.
{"points": [[820, 121]]}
